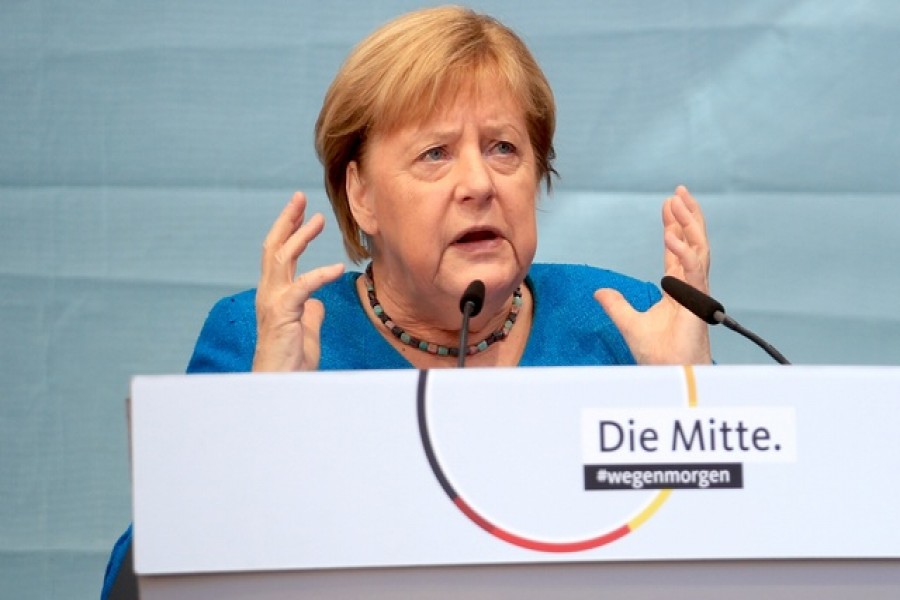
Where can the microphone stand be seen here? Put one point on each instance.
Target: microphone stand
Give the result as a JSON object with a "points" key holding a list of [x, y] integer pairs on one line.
{"points": [[468, 307], [711, 310], [733, 325]]}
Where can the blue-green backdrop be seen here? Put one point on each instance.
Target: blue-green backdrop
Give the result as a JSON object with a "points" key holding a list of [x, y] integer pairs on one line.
{"points": [[146, 146]]}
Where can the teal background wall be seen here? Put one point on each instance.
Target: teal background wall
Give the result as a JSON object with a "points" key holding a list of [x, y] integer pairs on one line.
{"points": [[146, 146]]}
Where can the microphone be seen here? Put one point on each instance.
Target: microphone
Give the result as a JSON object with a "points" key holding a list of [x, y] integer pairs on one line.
{"points": [[711, 310], [469, 305]]}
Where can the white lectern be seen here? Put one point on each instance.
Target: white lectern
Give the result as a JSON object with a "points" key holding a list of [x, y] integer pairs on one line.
{"points": [[637, 482]]}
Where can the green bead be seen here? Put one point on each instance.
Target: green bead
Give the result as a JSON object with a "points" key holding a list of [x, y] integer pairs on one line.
{"points": [[378, 310], [443, 351], [423, 345], [482, 346], [404, 337]]}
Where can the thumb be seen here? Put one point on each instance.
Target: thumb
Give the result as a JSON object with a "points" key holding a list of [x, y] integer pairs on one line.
{"points": [[617, 307], [313, 315]]}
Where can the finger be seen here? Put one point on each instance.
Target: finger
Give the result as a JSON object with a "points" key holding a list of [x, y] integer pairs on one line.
{"points": [[691, 203], [687, 245], [313, 316], [691, 222], [617, 307], [308, 283], [289, 219], [285, 224], [671, 230], [286, 256], [686, 263]]}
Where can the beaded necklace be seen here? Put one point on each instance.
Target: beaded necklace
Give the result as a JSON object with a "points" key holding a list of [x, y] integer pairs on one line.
{"points": [[430, 347]]}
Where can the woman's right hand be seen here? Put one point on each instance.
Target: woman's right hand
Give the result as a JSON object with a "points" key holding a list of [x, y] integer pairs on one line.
{"points": [[288, 321]]}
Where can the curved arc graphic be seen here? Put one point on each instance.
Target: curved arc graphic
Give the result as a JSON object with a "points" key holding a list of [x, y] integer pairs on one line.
{"points": [[519, 540]]}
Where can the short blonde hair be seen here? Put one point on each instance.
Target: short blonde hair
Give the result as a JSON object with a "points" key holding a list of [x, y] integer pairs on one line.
{"points": [[399, 75]]}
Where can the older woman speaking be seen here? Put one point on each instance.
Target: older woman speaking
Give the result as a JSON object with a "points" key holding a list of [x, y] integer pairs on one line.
{"points": [[435, 137]]}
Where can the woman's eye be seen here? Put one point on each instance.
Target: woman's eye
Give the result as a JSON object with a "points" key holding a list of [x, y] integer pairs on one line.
{"points": [[505, 148], [434, 154]]}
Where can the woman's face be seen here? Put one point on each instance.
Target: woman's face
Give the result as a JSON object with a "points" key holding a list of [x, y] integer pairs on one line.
{"points": [[450, 200]]}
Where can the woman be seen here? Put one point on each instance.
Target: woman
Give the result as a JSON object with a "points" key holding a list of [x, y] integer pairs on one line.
{"points": [[435, 137]]}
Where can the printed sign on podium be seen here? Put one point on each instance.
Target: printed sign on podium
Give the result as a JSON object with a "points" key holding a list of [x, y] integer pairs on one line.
{"points": [[448, 476]]}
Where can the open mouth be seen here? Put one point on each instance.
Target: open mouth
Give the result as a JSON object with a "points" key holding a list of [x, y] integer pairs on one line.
{"points": [[477, 235]]}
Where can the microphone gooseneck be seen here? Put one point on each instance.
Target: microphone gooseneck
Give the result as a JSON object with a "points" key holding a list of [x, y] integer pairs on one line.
{"points": [[470, 305], [711, 310]]}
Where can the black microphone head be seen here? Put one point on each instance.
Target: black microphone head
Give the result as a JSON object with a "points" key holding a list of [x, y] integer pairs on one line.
{"points": [[475, 294], [693, 299]]}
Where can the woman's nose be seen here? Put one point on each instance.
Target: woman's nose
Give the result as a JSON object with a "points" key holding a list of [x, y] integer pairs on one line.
{"points": [[475, 178]]}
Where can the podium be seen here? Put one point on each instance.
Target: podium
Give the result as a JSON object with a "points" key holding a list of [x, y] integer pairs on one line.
{"points": [[579, 482]]}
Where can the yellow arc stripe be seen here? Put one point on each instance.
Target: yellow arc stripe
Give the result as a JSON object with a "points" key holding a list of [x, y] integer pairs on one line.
{"points": [[639, 520], [663, 495], [691, 385]]}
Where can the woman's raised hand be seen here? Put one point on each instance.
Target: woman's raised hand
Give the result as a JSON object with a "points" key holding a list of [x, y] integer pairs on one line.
{"points": [[288, 320], [668, 333]]}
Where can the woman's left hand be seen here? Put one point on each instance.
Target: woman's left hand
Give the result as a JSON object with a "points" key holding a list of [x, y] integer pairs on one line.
{"points": [[667, 333]]}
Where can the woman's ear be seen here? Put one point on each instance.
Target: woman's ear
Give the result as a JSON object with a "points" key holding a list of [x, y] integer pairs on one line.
{"points": [[362, 205]]}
